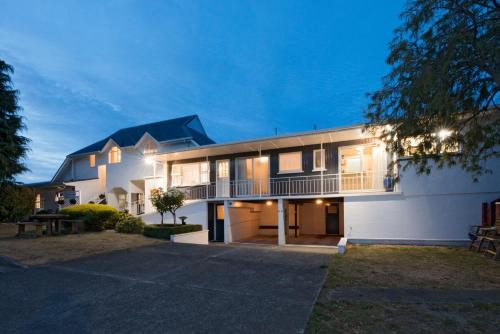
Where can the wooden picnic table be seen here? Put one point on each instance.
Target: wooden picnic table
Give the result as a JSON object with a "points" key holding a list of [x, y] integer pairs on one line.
{"points": [[50, 218]]}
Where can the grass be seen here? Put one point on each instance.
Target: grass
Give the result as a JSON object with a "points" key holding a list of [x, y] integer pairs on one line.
{"points": [[404, 267], [42, 250]]}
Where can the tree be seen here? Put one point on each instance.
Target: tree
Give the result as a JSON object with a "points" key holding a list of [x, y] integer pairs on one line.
{"points": [[439, 103], [13, 146], [16, 202], [168, 201]]}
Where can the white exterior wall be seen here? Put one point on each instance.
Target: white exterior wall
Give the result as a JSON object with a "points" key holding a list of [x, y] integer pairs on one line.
{"points": [[88, 189], [429, 208], [196, 211]]}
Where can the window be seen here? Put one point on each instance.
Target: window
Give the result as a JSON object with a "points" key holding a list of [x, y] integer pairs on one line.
{"points": [[114, 155], [150, 148], [223, 169], [319, 160], [92, 160], [290, 162], [184, 175], [38, 202], [353, 165]]}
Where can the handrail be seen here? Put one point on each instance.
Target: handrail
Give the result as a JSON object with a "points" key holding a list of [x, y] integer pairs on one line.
{"points": [[291, 186]]}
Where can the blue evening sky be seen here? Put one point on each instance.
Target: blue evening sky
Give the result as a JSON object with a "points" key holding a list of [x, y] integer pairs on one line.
{"points": [[88, 68]]}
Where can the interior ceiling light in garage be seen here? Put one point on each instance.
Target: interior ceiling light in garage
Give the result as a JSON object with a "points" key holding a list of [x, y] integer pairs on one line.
{"points": [[269, 203], [319, 201]]}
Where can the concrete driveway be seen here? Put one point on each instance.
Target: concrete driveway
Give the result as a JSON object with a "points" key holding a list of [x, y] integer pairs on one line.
{"points": [[172, 288]]}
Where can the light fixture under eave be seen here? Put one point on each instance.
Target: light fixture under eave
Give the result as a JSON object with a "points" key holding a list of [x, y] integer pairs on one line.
{"points": [[263, 159], [319, 201], [269, 203], [444, 133], [149, 160]]}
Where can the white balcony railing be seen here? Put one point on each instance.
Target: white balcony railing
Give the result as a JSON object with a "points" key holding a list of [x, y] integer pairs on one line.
{"points": [[137, 207], [292, 186]]}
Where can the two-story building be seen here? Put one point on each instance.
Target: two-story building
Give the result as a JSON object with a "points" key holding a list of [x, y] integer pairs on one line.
{"points": [[303, 188], [119, 169]]}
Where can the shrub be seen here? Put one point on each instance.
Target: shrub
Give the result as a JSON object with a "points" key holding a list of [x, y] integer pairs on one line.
{"points": [[94, 215], [126, 223], [16, 202], [166, 230]]}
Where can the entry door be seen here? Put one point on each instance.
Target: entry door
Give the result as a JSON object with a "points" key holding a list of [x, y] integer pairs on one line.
{"points": [[222, 180], [216, 222], [219, 222], [101, 174], [332, 219]]}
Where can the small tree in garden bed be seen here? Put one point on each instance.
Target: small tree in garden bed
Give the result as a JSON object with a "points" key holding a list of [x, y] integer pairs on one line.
{"points": [[167, 201]]}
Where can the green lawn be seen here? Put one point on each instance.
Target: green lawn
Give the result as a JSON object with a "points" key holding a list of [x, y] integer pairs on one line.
{"points": [[451, 292]]}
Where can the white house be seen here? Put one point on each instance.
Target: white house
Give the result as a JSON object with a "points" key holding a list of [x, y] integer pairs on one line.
{"points": [[119, 169], [304, 188]]}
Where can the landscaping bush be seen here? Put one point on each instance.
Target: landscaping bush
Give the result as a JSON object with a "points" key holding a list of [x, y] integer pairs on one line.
{"points": [[166, 230], [16, 202], [126, 223], [94, 215]]}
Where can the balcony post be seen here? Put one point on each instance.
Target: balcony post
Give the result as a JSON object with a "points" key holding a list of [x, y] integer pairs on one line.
{"points": [[282, 221], [208, 183], [228, 237], [323, 162]]}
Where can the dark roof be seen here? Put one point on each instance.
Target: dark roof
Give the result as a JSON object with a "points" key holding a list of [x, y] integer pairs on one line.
{"points": [[44, 184], [161, 131]]}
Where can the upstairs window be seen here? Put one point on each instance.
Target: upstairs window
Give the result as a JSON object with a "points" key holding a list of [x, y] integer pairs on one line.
{"points": [[150, 148], [92, 160], [290, 162], [184, 175], [319, 160], [114, 155]]}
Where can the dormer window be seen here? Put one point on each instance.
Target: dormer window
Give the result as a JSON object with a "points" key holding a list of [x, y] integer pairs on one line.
{"points": [[150, 148], [114, 155]]}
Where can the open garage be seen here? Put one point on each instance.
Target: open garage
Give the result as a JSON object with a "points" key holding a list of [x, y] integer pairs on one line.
{"points": [[306, 221]]}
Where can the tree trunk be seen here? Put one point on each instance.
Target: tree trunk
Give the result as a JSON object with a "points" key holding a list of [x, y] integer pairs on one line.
{"points": [[161, 214], [173, 215]]}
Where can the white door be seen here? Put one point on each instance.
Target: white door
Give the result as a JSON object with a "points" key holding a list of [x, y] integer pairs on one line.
{"points": [[222, 179], [101, 174]]}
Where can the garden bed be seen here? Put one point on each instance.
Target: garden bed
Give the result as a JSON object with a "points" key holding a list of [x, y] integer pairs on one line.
{"points": [[164, 231]]}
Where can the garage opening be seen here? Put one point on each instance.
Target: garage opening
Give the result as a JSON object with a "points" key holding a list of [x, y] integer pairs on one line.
{"points": [[310, 222], [316, 222], [254, 222]]}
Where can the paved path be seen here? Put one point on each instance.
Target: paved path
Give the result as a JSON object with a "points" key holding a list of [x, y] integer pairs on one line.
{"points": [[171, 288]]}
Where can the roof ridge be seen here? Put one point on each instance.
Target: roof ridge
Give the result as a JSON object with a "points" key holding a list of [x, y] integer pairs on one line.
{"points": [[190, 117]]}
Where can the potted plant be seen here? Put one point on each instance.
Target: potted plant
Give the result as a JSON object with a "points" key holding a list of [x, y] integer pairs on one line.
{"points": [[389, 182]]}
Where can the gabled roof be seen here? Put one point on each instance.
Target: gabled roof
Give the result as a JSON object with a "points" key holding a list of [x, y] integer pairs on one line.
{"points": [[172, 129]]}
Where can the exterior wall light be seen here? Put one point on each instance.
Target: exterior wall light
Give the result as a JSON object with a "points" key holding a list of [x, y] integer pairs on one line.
{"points": [[319, 201], [444, 133], [149, 160], [269, 203]]}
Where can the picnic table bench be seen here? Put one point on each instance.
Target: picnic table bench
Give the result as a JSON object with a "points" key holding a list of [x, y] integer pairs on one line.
{"points": [[75, 224], [41, 220], [21, 227], [49, 219]]}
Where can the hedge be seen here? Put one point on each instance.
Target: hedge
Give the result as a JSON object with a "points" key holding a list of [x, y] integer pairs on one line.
{"points": [[166, 230], [94, 215]]}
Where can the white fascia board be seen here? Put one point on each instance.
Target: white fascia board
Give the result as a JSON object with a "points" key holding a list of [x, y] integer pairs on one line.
{"points": [[145, 136], [110, 142]]}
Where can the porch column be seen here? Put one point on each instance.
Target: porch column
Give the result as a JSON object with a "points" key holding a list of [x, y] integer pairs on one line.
{"points": [[282, 221], [228, 236]]}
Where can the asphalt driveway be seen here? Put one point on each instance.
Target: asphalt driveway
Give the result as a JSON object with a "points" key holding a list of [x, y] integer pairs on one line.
{"points": [[172, 288]]}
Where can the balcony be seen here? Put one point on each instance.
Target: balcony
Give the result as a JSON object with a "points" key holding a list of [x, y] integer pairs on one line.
{"points": [[291, 186]]}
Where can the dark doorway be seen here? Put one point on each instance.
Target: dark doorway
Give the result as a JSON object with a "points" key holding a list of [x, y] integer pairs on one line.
{"points": [[332, 219], [216, 222]]}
